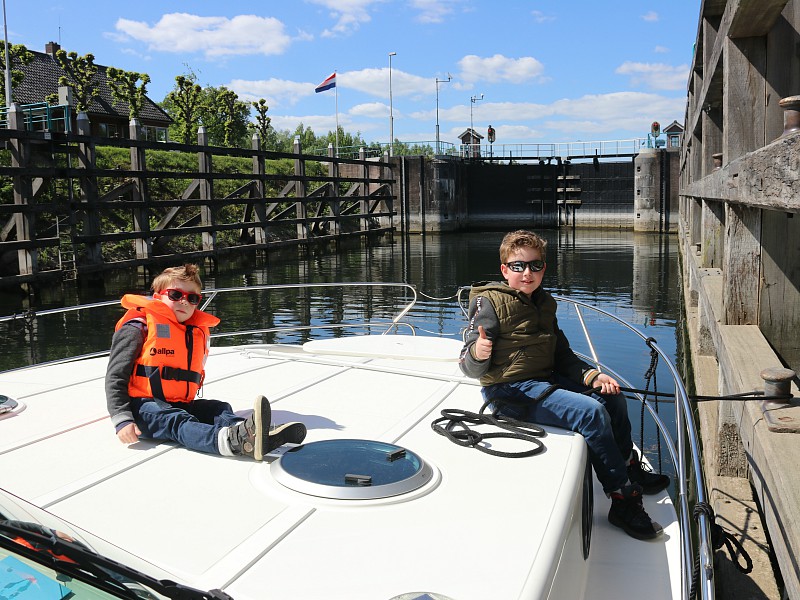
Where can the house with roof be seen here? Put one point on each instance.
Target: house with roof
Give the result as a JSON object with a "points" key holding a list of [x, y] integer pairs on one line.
{"points": [[470, 143], [673, 131], [107, 118]]}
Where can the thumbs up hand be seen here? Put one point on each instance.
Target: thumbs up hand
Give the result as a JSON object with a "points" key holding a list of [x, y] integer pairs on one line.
{"points": [[483, 345]]}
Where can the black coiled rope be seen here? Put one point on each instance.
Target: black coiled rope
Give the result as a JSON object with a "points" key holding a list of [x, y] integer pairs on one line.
{"points": [[718, 537], [454, 424]]}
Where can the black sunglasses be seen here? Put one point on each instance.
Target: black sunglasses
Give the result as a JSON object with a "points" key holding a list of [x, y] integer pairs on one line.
{"points": [[178, 295], [518, 266]]}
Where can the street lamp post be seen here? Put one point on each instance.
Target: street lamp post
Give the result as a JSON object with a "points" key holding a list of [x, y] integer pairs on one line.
{"points": [[472, 100], [438, 81], [8, 58], [391, 113]]}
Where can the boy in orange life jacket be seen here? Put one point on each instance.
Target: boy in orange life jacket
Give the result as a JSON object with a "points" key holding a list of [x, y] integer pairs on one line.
{"points": [[156, 368]]}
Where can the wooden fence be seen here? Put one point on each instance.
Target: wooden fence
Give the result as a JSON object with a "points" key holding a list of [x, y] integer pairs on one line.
{"points": [[72, 216]]}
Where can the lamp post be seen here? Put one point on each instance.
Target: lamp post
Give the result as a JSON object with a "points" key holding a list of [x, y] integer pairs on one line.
{"points": [[438, 81], [8, 59], [472, 100], [391, 113]]}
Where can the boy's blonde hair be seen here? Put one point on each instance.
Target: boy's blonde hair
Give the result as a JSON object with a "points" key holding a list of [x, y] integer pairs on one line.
{"points": [[521, 239], [187, 272]]}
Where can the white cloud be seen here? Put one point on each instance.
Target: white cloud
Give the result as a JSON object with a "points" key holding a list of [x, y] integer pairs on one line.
{"points": [[656, 76], [349, 15], [434, 11], [661, 49], [541, 17], [376, 82], [650, 17], [500, 68], [213, 36], [276, 92], [375, 110], [588, 117], [321, 124]]}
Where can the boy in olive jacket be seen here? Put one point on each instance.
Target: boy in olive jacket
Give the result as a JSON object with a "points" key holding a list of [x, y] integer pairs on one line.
{"points": [[515, 347]]}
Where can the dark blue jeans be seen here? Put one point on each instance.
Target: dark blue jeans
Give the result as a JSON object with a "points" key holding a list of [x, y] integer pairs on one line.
{"points": [[194, 425], [601, 420]]}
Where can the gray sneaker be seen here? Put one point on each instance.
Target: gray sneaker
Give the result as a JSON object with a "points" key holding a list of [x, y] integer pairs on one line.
{"points": [[287, 433], [251, 436]]}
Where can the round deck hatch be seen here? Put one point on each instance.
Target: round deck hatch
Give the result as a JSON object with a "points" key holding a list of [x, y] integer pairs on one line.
{"points": [[351, 469], [9, 406]]}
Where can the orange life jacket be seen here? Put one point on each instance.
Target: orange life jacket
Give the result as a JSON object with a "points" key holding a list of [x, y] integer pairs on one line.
{"points": [[171, 365], [23, 542]]}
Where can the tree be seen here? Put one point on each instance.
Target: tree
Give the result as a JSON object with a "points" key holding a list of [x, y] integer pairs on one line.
{"points": [[262, 125], [308, 140], [20, 55], [184, 105], [81, 72], [225, 117], [349, 143], [124, 89]]}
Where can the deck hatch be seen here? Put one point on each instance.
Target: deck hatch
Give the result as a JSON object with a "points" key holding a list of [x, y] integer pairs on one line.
{"points": [[351, 469]]}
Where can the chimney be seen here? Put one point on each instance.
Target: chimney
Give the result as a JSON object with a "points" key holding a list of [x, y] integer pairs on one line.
{"points": [[51, 48]]}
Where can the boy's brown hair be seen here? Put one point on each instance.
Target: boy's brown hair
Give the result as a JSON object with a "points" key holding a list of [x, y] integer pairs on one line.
{"points": [[187, 272], [521, 239]]}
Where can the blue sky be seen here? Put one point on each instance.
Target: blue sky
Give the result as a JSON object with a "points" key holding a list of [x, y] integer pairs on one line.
{"points": [[549, 71]]}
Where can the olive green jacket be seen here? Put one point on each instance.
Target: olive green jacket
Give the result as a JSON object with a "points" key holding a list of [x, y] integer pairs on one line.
{"points": [[527, 342]]}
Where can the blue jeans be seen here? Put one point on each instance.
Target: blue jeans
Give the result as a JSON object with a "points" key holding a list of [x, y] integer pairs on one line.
{"points": [[601, 420], [194, 425]]}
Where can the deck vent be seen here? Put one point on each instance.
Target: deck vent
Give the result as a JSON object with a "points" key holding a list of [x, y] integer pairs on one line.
{"points": [[351, 469], [9, 406]]}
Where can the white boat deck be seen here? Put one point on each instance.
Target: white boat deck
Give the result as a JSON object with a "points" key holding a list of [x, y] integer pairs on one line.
{"points": [[482, 527]]}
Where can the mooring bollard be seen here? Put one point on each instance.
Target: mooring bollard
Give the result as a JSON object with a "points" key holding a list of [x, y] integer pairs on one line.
{"points": [[791, 114], [777, 382]]}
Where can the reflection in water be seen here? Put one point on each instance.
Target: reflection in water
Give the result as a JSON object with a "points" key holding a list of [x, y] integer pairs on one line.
{"points": [[633, 276]]}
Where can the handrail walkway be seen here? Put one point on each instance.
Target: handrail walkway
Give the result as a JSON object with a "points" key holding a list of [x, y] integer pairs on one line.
{"points": [[41, 116], [517, 152]]}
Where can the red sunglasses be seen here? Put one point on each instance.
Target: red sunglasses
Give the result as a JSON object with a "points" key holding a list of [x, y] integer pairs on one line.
{"points": [[178, 295]]}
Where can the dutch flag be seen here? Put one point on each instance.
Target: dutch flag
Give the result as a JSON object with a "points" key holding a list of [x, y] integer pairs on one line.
{"points": [[329, 83]]}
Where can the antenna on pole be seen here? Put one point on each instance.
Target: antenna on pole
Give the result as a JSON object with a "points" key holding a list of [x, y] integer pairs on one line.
{"points": [[7, 58]]}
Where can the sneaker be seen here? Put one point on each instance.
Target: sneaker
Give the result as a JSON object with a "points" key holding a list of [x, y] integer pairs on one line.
{"points": [[287, 433], [251, 436], [640, 473], [627, 512]]}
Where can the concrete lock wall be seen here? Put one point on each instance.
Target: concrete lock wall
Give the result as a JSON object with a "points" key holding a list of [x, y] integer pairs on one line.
{"points": [[453, 194]]}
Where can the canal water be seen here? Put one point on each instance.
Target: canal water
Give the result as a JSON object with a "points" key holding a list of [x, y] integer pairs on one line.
{"points": [[632, 276]]}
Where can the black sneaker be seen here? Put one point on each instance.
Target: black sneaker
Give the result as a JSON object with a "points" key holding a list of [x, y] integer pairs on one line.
{"points": [[640, 473], [627, 512], [251, 436], [287, 433]]}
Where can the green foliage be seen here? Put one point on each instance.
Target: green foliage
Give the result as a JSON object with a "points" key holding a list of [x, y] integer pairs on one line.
{"points": [[225, 117], [262, 124], [403, 149], [184, 105], [81, 72], [219, 110], [125, 89], [20, 55]]}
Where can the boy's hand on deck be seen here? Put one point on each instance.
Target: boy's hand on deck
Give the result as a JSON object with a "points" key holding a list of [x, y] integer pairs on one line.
{"points": [[483, 345], [129, 434]]}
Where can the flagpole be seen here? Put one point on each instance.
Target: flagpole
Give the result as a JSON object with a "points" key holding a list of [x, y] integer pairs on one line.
{"points": [[336, 90]]}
